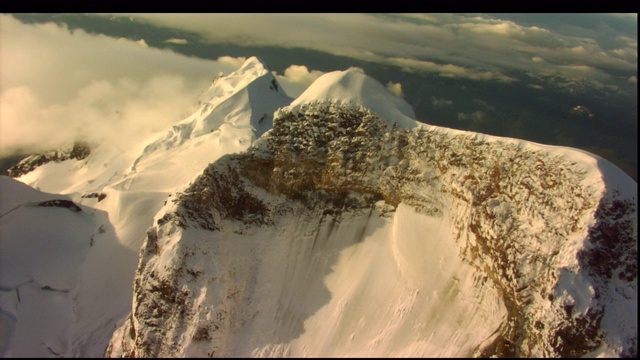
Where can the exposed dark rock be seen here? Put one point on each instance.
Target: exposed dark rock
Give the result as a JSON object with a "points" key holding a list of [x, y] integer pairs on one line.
{"points": [[79, 151], [100, 196], [614, 252], [61, 203]]}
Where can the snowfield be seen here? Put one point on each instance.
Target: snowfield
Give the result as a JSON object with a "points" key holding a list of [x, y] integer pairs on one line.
{"points": [[332, 225]]}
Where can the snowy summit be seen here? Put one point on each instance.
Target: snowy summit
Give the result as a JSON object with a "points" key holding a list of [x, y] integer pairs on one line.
{"points": [[354, 88]]}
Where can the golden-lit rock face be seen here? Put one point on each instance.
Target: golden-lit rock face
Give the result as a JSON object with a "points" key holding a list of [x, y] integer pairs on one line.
{"points": [[507, 200]]}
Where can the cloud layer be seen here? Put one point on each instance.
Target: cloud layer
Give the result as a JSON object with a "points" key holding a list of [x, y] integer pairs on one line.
{"points": [[296, 79], [482, 48], [57, 86]]}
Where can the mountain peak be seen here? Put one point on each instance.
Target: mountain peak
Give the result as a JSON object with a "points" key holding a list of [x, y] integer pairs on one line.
{"points": [[354, 87], [250, 70], [254, 62], [225, 86]]}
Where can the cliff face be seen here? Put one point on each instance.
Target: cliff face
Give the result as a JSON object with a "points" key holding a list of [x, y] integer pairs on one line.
{"points": [[341, 234]]}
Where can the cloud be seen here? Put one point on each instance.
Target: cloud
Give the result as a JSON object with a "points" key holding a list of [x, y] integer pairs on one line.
{"points": [[59, 85], [582, 71], [233, 62], [629, 41], [440, 102], [482, 47], [395, 89], [633, 79], [497, 28], [578, 49], [448, 70], [117, 112], [296, 79], [536, 86], [483, 104], [176, 41], [48, 71], [627, 54], [300, 73], [476, 116], [142, 43]]}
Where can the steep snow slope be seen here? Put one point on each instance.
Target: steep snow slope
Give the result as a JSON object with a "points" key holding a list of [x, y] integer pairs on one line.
{"points": [[341, 234], [238, 109], [45, 240], [127, 187]]}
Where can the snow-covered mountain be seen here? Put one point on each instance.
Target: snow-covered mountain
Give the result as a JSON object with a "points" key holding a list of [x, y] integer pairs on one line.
{"points": [[124, 189], [331, 225]]}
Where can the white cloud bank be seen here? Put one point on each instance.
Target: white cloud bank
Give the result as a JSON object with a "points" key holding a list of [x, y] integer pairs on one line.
{"points": [[176, 41], [232, 62], [481, 48], [296, 79], [57, 86]]}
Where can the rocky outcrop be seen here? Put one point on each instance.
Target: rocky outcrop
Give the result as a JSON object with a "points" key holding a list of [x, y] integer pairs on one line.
{"points": [[79, 151], [67, 204]]}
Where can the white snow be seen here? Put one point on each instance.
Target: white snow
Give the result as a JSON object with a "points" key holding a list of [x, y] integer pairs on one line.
{"points": [[355, 88], [366, 284], [401, 291], [45, 265]]}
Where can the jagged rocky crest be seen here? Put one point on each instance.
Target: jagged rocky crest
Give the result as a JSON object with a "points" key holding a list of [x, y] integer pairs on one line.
{"points": [[78, 151], [331, 160]]}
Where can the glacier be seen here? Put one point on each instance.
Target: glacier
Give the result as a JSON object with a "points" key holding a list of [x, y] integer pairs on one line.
{"points": [[334, 224]]}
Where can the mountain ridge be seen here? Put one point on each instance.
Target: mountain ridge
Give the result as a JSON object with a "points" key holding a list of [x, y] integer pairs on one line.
{"points": [[552, 301]]}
